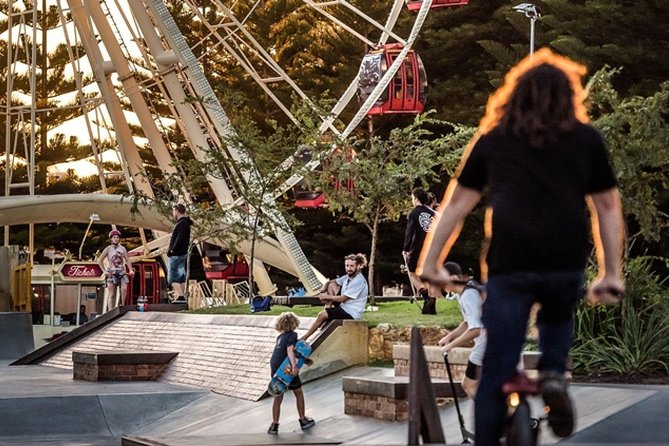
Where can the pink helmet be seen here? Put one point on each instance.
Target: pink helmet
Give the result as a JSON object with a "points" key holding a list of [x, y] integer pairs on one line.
{"points": [[114, 232]]}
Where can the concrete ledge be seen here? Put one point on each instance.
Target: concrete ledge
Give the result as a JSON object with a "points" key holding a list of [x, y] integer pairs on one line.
{"points": [[119, 366], [396, 386], [386, 398], [433, 353]]}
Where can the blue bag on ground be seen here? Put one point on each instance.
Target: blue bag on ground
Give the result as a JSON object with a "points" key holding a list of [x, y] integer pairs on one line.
{"points": [[261, 303]]}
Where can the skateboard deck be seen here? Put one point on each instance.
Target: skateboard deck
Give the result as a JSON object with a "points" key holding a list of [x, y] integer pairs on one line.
{"points": [[282, 378]]}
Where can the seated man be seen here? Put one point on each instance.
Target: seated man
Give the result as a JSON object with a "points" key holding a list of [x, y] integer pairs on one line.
{"points": [[351, 303]]}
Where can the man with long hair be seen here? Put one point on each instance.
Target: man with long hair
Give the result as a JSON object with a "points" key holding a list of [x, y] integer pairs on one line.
{"points": [[540, 166]]}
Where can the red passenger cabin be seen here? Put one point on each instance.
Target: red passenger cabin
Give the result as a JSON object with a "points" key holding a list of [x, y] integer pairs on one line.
{"points": [[146, 282], [219, 264], [415, 5], [311, 199], [405, 92]]}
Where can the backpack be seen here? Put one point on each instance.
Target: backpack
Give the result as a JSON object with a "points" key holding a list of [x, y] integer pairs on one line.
{"points": [[479, 287], [261, 303]]}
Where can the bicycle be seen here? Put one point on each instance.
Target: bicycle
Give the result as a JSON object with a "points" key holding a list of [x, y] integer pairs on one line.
{"points": [[522, 429]]}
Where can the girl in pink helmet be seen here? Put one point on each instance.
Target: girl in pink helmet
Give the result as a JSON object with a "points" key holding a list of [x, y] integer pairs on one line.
{"points": [[117, 269]]}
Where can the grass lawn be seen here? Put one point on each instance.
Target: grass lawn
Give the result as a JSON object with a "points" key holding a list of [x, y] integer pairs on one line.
{"points": [[397, 314]]}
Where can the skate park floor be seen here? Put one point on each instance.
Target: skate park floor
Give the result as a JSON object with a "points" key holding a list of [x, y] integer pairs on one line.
{"points": [[43, 406]]}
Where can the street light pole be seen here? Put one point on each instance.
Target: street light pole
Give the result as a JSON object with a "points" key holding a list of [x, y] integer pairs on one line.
{"points": [[530, 11], [91, 219]]}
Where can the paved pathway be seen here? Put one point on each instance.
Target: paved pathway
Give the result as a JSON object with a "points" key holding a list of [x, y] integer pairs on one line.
{"points": [[43, 405]]}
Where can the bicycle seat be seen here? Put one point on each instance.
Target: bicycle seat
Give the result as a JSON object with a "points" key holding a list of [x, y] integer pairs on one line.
{"points": [[521, 383]]}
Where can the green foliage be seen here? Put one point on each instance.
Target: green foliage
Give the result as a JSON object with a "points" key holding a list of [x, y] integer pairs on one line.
{"points": [[383, 171], [636, 130], [397, 314], [632, 337]]}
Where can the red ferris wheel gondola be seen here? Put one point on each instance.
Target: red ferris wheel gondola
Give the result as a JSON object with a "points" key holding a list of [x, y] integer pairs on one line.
{"points": [[405, 93], [415, 5]]}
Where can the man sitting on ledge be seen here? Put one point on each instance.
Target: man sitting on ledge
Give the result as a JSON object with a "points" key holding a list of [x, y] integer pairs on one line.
{"points": [[351, 302]]}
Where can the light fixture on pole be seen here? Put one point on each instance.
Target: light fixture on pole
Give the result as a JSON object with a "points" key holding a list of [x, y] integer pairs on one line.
{"points": [[91, 219], [531, 12]]}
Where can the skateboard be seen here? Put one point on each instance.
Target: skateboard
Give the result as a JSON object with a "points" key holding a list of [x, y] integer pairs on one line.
{"points": [[282, 378]]}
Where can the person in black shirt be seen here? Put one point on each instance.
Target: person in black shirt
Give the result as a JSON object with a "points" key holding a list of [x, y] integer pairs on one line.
{"points": [[285, 345], [418, 225], [177, 252], [541, 167]]}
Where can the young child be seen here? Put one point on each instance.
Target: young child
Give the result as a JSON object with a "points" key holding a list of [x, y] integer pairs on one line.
{"points": [[471, 328], [285, 346], [118, 268]]}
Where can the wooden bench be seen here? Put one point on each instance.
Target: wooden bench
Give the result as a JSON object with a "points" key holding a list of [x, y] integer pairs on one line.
{"points": [[386, 398], [120, 366]]}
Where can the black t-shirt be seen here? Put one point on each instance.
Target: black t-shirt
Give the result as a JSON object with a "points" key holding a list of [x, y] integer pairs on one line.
{"points": [[283, 341], [537, 195], [418, 224]]}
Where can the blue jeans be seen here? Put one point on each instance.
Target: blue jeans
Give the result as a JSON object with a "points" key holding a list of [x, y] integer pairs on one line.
{"points": [[177, 269], [505, 314]]}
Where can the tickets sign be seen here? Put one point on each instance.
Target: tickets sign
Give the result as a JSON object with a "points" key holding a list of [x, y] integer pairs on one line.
{"points": [[81, 272]]}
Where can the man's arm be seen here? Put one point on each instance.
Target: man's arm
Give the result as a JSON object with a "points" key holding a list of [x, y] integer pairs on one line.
{"points": [[325, 297], [408, 234], [608, 233], [460, 200]]}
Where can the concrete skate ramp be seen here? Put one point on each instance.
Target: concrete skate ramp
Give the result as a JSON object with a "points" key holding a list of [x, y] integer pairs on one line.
{"points": [[228, 354], [45, 406], [634, 424], [16, 333]]}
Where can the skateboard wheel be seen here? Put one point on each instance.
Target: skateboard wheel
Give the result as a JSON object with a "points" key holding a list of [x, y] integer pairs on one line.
{"points": [[274, 389]]}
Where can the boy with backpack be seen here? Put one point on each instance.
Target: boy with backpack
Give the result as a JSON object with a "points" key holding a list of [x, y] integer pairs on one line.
{"points": [[471, 329], [285, 346]]}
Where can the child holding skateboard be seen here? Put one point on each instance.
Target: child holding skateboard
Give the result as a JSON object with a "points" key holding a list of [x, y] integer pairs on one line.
{"points": [[284, 347]]}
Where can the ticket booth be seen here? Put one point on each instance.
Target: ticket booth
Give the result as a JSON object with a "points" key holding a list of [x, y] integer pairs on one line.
{"points": [[65, 287]]}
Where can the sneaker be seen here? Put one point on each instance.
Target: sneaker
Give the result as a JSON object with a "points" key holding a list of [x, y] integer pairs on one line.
{"points": [[273, 429], [561, 412], [307, 423]]}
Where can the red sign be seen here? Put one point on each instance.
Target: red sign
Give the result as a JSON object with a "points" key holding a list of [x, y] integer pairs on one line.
{"points": [[81, 272]]}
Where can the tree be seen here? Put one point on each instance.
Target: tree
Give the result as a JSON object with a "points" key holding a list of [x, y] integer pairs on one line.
{"points": [[383, 172], [636, 130]]}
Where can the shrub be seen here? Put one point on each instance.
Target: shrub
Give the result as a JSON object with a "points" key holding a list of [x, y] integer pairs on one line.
{"points": [[632, 337]]}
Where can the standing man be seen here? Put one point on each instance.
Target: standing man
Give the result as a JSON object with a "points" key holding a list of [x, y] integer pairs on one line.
{"points": [[418, 225], [352, 301], [542, 166], [178, 253]]}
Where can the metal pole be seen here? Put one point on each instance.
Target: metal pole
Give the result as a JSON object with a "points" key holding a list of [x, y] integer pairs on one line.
{"points": [[81, 247], [53, 285], [532, 20], [78, 302]]}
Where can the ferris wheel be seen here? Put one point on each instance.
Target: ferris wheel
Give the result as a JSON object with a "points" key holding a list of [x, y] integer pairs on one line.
{"points": [[391, 77], [143, 63]]}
